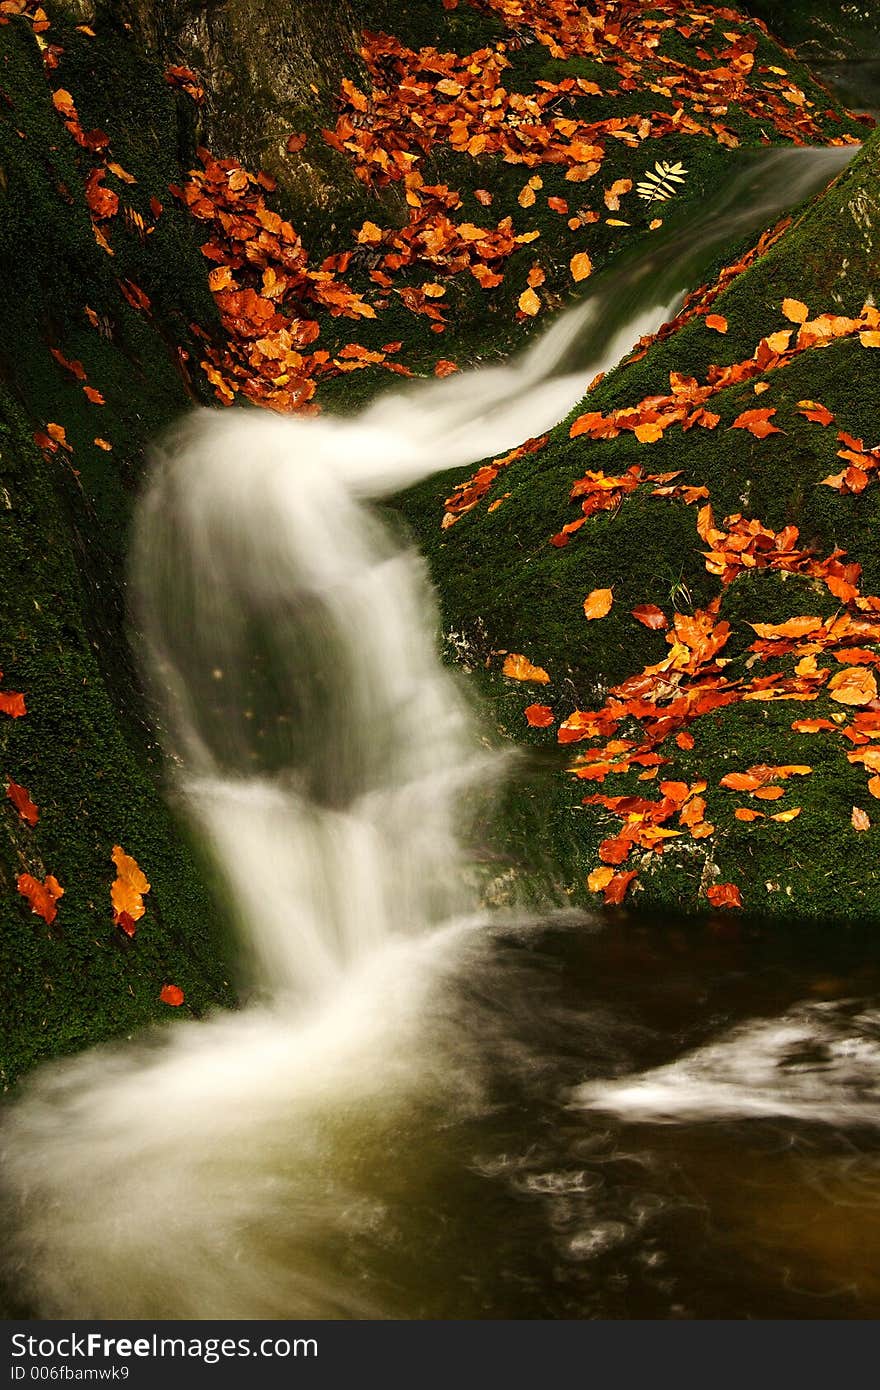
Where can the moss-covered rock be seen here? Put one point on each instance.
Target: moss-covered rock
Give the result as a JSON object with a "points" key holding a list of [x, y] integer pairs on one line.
{"points": [[505, 588], [84, 749], [131, 326]]}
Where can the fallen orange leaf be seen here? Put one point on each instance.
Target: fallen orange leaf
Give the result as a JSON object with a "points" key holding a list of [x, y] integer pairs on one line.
{"points": [[539, 716], [519, 668], [20, 798], [42, 897], [529, 302], [598, 603], [129, 887], [600, 878], [650, 616], [617, 888], [854, 685], [724, 895], [795, 311]]}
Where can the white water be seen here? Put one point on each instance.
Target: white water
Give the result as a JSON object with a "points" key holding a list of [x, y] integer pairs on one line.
{"points": [[323, 751], [820, 1062], [226, 1168]]}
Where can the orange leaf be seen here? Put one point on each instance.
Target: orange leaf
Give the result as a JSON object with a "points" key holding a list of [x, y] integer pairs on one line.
{"points": [[795, 311], [854, 685], [12, 703], [747, 814], [172, 994], [581, 266], [874, 787], [648, 433], [126, 893], [757, 422], [871, 339], [617, 888], [860, 819], [529, 302], [369, 234], [598, 603], [519, 668], [768, 793], [818, 414], [716, 321], [740, 782], [20, 798], [650, 616], [600, 878], [41, 896], [724, 895], [793, 627], [539, 716]]}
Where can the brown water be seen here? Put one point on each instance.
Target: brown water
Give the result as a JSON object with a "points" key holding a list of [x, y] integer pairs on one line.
{"points": [[751, 1190]]}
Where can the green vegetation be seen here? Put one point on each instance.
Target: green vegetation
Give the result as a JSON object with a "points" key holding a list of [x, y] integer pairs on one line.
{"points": [[85, 749], [503, 587]]}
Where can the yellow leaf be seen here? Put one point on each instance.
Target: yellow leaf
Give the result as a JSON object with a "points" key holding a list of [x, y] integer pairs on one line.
{"points": [[600, 878], [369, 234], [778, 342], [648, 434], [854, 685], [795, 311], [529, 302], [598, 603], [519, 668], [871, 339]]}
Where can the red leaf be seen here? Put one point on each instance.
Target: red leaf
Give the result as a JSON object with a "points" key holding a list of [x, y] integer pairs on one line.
{"points": [[12, 703], [539, 716], [126, 922], [41, 896], [21, 800], [651, 616], [757, 422], [724, 895], [172, 994], [617, 888]]}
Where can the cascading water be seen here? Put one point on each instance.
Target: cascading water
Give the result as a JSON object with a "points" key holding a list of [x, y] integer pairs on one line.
{"points": [[236, 1167]]}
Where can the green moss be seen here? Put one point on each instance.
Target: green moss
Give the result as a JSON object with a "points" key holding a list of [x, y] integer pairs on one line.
{"points": [[503, 587], [84, 748]]}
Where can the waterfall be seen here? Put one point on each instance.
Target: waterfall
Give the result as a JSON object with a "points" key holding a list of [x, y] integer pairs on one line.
{"points": [[228, 1168]]}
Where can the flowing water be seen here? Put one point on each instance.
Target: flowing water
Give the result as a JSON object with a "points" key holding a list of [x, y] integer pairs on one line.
{"points": [[425, 1109]]}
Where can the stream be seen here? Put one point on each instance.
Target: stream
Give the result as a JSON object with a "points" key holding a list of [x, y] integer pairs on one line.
{"points": [[424, 1108]]}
